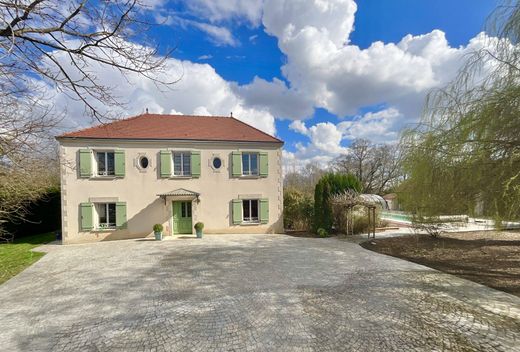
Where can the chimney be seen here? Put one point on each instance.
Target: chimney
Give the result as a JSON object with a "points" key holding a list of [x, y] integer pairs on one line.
{"points": [[147, 110], [231, 114]]}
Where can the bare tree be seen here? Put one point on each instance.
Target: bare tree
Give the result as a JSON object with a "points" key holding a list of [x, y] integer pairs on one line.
{"points": [[376, 166], [304, 180], [61, 41], [61, 44]]}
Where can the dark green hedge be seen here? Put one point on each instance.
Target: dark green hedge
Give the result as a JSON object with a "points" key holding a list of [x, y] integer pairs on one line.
{"points": [[328, 185], [44, 216]]}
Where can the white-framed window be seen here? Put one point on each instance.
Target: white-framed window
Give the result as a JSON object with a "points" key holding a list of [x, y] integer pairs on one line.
{"points": [[105, 163], [250, 210], [249, 164], [182, 164], [106, 215]]}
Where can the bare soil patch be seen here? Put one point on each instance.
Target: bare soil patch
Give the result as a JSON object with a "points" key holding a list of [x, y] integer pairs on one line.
{"points": [[491, 258]]}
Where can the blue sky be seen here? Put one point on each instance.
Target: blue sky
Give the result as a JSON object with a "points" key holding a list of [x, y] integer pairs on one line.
{"points": [[318, 74]]}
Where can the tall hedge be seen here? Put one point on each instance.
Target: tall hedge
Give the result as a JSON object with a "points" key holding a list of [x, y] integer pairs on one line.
{"points": [[328, 185], [44, 215]]}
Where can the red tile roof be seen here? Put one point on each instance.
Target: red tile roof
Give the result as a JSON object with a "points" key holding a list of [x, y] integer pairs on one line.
{"points": [[177, 127]]}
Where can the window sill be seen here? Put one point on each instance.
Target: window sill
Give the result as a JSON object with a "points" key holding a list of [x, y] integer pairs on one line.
{"points": [[250, 223], [111, 177], [249, 176], [180, 177], [105, 229]]}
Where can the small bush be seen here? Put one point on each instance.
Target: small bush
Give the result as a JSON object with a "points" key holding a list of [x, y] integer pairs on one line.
{"points": [[322, 232], [157, 228], [199, 226], [432, 225], [360, 223], [298, 208]]}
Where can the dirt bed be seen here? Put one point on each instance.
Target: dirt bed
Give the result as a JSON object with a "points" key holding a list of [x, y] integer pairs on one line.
{"points": [[491, 258]]}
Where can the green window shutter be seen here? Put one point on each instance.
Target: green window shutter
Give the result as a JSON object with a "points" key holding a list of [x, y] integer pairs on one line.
{"points": [[119, 158], [264, 210], [166, 163], [236, 163], [85, 163], [237, 211], [121, 215], [264, 164], [195, 164], [86, 214]]}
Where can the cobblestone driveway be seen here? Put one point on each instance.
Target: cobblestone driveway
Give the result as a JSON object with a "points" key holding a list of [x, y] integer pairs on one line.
{"points": [[247, 292]]}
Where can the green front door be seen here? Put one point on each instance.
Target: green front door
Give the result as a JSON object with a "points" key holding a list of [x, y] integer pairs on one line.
{"points": [[181, 217]]}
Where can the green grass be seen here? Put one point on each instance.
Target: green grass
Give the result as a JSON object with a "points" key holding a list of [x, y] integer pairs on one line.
{"points": [[16, 256]]}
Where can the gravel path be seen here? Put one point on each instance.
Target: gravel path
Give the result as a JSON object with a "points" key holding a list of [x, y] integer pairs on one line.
{"points": [[247, 293]]}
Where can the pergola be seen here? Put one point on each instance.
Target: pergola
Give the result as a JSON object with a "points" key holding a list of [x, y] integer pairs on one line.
{"points": [[346, 202]]}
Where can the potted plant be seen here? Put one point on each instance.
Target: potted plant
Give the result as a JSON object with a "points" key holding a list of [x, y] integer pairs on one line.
{"points": [[198, 229], [157, 230]]}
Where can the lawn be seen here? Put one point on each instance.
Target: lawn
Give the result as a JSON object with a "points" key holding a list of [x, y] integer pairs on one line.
{"points": [[16, 256], [491, 258]]}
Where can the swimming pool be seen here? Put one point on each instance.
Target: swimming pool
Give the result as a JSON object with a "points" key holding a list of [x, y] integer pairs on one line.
{"points": [[399, 217]]}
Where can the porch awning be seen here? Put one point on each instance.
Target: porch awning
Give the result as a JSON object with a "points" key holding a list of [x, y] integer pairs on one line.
{"points": [[179, 193]]}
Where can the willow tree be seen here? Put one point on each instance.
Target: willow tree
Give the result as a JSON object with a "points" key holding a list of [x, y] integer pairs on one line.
{"points": [[464, 156]]}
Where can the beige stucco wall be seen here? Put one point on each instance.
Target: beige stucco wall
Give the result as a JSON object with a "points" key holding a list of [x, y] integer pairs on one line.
{"points": [[139, 188]]}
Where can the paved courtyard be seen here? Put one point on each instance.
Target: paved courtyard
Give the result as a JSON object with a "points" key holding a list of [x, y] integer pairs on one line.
{"points": [[247, 293]]}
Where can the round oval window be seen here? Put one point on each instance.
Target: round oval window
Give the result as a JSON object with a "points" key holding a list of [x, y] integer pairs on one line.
{"points": [[143, 162], [217, 163]]}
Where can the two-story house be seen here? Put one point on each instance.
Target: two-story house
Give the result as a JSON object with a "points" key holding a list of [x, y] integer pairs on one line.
{"points": [[121, 178]]}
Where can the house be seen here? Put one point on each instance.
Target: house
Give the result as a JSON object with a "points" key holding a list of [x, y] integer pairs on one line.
{"points": [[121, 178]]}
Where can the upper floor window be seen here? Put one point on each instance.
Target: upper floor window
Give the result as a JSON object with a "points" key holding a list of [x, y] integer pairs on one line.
{"points": [[217, 163], [143, 162], [249, 164], [105, 163], [182, 164]]}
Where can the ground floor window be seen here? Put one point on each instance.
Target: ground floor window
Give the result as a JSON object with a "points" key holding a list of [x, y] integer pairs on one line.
{"points": [[106, 215], [250, 210]]}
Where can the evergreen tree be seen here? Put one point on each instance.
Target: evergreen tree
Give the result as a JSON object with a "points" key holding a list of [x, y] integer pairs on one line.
{"points": [[327, 186]]}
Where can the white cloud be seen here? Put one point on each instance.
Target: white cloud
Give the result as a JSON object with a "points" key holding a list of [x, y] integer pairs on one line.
{"points": [[299, 126], [324, 144], [248, 11], [218, 35], [326, 138], [200, 91], [341, 77], [205, 57], [277, 98], [381, 126]]}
